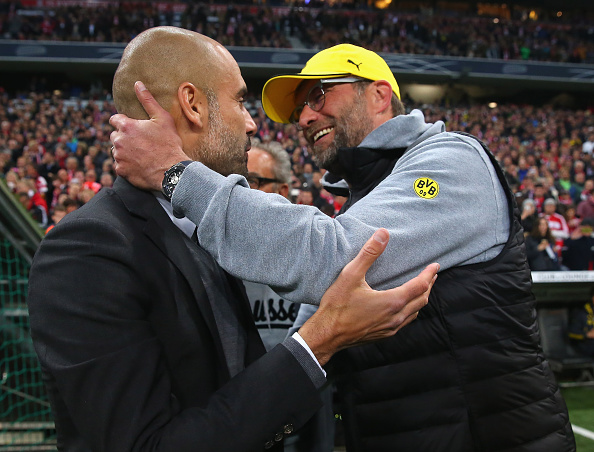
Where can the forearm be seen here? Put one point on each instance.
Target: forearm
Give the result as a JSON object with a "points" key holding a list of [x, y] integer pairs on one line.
{"points": [[299, 251], [264, 238]]}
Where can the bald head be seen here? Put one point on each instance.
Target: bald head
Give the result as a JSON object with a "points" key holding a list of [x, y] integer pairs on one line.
{"points": [[163, 58]]}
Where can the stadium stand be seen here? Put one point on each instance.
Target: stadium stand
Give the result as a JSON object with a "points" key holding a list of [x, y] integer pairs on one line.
{"points": [[54, 131], [495, 32]]}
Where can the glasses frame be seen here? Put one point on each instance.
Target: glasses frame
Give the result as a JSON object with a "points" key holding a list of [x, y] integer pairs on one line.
{"points": [[255, 181], [317, 105]]}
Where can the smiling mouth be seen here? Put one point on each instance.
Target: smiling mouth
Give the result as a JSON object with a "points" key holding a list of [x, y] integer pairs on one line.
{"points": [[322, 133]]}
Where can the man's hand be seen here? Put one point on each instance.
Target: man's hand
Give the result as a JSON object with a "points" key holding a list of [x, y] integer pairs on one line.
{"points": [[351, 313], [144, 149]]}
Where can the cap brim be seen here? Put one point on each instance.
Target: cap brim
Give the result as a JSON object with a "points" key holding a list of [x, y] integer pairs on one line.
{"points": [[278, 99]]}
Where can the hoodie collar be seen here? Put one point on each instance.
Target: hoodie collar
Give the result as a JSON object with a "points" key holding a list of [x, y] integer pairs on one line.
{"points": [[372, 161]]}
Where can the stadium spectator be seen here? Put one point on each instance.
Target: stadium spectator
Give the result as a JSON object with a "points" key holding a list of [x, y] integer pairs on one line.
{"points": [[441, 32], [581, 327], [557, 224], [528, 216], [40, 181], [588, 189], [539, 195], [564, 201], [306, 197], [588, 145], [564, 180], [578, 249], [48, 168], [106, 180], [12, 179], [5, 160], [70, 204], [577, 187], [71, 166], [32, 200], [540, 248], [546, 151], [585, 209], [85, 195], [269, 170], [90, 182], [571, 218], [59, 212]]}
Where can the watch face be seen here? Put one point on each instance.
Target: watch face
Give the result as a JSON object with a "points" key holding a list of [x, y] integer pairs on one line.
{"points": [[172, 176]]}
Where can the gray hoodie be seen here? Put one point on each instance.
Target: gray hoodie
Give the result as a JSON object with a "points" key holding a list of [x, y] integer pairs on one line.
{"points": [[442, 203]]}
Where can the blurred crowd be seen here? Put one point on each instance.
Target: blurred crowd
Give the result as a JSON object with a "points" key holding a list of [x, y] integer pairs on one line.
{"points": [[55, 156], [568, 38], [54, 153]]}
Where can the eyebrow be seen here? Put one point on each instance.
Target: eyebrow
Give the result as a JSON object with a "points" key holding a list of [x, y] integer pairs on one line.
{"points": [[242, 92]]}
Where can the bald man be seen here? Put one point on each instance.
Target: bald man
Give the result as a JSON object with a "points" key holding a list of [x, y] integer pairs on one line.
{"points": [[145, 343]]}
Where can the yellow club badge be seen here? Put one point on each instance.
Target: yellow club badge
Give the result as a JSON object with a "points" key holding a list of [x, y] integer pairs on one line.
{"points": [[426, 188]]}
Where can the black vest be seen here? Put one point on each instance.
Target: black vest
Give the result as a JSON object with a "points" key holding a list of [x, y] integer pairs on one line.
{"points": [[468, 375]]}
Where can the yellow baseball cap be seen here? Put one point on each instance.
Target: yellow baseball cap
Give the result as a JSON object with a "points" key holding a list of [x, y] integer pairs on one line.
{"points": [[278, 98]]}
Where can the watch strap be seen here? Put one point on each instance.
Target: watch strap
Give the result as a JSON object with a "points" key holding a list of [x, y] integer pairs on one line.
{"points": [[167, 186]]}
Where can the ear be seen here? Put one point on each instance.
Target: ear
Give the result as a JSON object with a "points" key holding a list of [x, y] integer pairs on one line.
{"points": [[193, 104], [381, 96], [283, 190]]}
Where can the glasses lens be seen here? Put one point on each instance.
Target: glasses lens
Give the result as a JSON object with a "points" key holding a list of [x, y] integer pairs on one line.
{"points": [[253, 181], [316, 98], [294, 118]]}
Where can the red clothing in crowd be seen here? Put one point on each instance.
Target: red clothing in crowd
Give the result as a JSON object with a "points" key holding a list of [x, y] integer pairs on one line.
{"points": [[558, 225], [559, 229], [95, 186]]}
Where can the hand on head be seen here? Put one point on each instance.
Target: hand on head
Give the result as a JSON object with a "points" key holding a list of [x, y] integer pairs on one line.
{"points": [[143, 149], [352, 313]]}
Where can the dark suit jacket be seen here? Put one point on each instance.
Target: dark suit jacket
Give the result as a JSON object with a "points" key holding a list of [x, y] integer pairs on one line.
{"points": [[128, 344]]}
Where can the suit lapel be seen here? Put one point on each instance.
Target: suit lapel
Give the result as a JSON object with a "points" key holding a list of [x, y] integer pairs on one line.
{"points": [[171, 241]]}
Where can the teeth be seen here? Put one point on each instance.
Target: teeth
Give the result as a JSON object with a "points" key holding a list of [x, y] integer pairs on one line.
{"points": [[321, 133]]}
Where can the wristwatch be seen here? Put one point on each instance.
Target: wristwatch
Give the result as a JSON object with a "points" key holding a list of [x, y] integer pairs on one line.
{"points": [[171, 178]]}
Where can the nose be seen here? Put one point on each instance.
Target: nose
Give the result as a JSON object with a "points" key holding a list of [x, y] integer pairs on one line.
{"points": [[250, 124], [307, 117]]}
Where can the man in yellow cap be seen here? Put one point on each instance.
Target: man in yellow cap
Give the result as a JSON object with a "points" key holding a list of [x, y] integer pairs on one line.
{"points": [[469, 373]]}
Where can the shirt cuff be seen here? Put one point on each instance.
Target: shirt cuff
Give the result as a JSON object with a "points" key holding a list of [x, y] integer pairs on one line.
{"points": [[301, 351]]}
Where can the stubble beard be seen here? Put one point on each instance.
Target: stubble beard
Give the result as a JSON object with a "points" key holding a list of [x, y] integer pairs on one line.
{"points": [[223, 151], [351, 126]]}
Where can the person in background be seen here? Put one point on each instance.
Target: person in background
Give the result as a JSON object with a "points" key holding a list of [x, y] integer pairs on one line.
{"points": [[581, 327], [557, 224], [578, 249], [585, 209], [577, 187], [106, 180], [269, 170], [540, 248], [33, 201], [529, 215], [571, 218], [58, 212], [539, 195]]}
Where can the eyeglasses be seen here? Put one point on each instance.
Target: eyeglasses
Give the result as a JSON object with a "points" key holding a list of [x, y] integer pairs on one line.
{"points": [[256, 181], [316, 96]]}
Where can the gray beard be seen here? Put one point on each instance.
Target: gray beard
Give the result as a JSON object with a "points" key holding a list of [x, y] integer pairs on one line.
{"points": [[222, 151], [350, 129]]}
